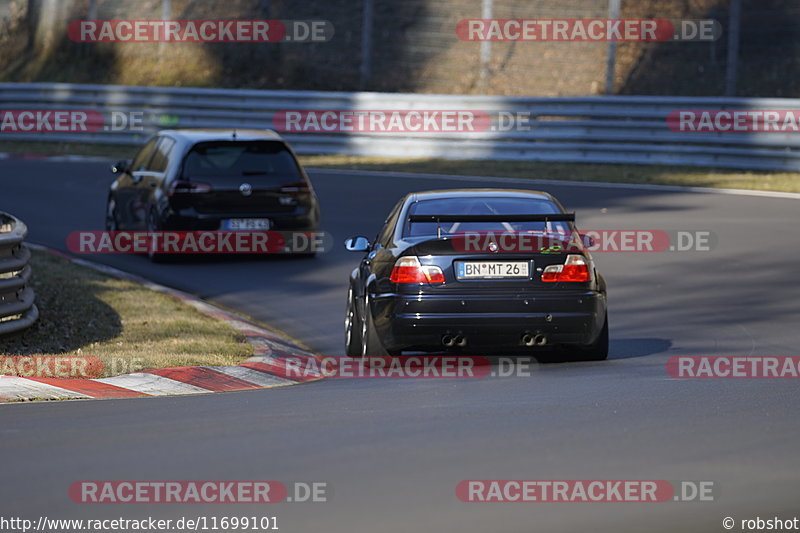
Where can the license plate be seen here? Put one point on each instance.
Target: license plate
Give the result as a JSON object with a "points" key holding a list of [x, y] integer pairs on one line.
{"points": [[492, 269], [235, 224]]}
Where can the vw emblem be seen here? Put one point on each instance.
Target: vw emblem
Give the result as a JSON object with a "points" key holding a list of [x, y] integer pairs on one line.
{"points": [[493, 247], [246, 189]]}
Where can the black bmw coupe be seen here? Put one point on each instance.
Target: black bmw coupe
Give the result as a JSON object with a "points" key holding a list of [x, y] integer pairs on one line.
{"points": [[476, 270]]}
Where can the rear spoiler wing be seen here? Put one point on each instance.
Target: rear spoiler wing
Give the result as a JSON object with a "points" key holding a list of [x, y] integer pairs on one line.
{"points": [[555, 217]]}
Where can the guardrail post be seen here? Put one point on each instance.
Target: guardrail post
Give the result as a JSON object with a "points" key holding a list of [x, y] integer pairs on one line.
{"points": [[166, 14], [486, 50], [611, 59], [367, 22], [734, 23]]}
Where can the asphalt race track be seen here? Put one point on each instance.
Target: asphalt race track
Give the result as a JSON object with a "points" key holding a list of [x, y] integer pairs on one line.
{"points": [[392, 451]]}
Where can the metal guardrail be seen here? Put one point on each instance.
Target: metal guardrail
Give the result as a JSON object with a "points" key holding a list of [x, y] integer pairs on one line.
{"points": [[609, 129], [17, 310]]}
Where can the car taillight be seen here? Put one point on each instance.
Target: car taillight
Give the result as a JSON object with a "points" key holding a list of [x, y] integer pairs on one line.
{"points": [[573, 269], [409, 270], [299, 187], [188, 187]]}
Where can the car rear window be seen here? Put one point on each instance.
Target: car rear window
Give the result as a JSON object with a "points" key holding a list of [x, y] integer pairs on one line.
{"points": [[239, 159], [482, 206]]}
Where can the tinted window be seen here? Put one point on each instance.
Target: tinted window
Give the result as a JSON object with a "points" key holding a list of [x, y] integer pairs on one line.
{"points": [[386, 232], [143, 157], [161, 156], [237, 159], [482, 206]]}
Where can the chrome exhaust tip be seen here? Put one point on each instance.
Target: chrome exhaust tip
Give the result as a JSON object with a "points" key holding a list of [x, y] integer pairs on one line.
{"points": [[527, 339]]}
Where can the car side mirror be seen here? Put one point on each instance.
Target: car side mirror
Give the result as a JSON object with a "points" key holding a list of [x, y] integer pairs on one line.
{"points": [[357, 244], [120, 166]]}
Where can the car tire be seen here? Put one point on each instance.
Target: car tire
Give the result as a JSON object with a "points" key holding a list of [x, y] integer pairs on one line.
{"points": [[598, 350], [153, 226], [111, 223], [352, 328], [370, 343]]}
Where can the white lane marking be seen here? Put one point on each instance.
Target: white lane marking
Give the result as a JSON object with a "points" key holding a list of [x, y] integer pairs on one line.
{"points": [[17, 388], [266, 359], [560, 183], [151, 384], [262, 379]]}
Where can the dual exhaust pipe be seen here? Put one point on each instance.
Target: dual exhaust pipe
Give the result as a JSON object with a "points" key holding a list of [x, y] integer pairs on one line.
{"points": [[454, 340], [534, 340], [527, 340]]}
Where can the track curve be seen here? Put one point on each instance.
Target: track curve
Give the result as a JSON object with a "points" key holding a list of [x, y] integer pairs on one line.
{"points": [[393, 451]]}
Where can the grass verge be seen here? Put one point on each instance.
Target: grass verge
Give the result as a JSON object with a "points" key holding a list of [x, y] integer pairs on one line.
{"points": [[129, 327], [761, 180], [113, 152]]}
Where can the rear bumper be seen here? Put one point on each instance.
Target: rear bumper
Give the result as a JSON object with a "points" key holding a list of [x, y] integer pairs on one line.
{"points": [[418, 322], [189, 219]]}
